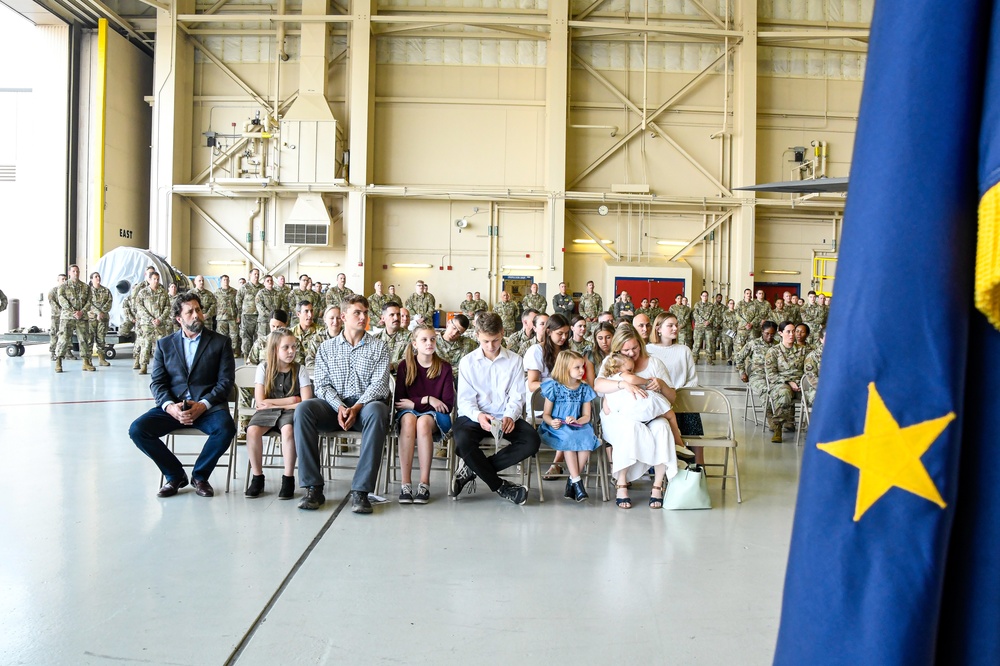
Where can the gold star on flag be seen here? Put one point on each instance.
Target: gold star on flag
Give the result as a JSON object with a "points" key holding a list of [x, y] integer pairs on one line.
{"points": [[888, 455]]}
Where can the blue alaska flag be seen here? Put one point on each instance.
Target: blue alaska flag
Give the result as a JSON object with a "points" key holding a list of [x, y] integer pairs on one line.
{"points": [[895, 553]]}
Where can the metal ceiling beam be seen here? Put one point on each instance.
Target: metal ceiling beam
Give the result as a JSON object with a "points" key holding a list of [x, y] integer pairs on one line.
{"points": [[649, 118], [701, 235], [709, 14], [229, 72], [597, 239], [261, 18], [225, 234], [588, 10], [713, 34]]}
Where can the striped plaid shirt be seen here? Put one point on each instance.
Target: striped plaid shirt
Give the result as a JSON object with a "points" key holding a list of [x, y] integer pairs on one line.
{"points": [[343, 371]]}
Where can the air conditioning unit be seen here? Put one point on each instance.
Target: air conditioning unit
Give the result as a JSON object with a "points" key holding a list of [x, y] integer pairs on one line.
{"points": [[309, 222]]}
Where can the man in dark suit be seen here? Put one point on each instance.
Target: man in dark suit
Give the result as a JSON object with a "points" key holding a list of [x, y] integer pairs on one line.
{"points": [[193, 375]]}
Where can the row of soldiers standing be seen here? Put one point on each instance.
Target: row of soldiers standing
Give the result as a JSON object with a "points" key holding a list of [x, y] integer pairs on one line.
{"points": [[82, 309]]}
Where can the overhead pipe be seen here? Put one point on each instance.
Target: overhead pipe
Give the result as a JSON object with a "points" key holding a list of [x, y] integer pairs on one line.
{"points": [[254, 212]]}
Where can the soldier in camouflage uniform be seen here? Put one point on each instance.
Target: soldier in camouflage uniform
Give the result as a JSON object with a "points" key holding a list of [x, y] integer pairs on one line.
{"points": [[225, 313], [812, 316], [377, 300], [258, 353], [465, 307], [520, 341], [591, 305], [100, 305], [749, 362], [654, 309], [643, 308], [74, 308], [810, 370], [284, 293], [246, 310], [478, 304], [534, 300], [131, 303], [395, 337], [508, 311], [730, 325], [207, 298], [336, 294], [303, 292], [562, 303], [394, 297], [267, 300], [704, 330], [333, 325], [683, 313], [762, 311], [578, 340], [421, 304], [172, 326], [745, 312], [784, 365], [792, 311], [55, 312], [153, 312], [777, 312], [306, 329], [452, 345], [718, 311]]}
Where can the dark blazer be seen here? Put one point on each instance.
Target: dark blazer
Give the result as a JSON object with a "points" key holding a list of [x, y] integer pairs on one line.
{"points": [[211, 377]]}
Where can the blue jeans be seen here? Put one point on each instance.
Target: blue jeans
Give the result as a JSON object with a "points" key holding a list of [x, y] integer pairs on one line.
{"points": [[146, 431], [317, 415]]}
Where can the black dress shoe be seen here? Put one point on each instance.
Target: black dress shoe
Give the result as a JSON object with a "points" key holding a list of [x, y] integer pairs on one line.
{"points": [[256, 486], [359, 502], [170, 488], [314, 498], [203, 488]]}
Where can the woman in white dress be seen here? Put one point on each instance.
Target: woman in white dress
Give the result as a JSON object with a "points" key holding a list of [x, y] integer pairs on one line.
{"points": [[638, 446], [681, 371]]}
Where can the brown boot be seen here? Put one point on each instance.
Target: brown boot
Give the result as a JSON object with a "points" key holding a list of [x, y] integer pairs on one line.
{"points": [[135, 363], [776, 439], [103, 362], [59, 365], [87, 365], [142, 371]]}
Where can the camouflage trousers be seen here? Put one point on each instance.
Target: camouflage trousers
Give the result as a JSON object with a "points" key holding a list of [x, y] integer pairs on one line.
{"points": [[66, 329], [727, 347], [684, 337], [782, 396], [743, 338], [99, 331], [263, 326], [53, 335], [704, 337], [147, 335], [248, 332], [230, 330], [759, 387], [809, 394]]}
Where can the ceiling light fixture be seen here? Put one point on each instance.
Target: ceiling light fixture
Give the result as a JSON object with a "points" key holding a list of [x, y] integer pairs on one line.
{"points": [[591, 241], [781, 272], [521, 267], [411, 265]]}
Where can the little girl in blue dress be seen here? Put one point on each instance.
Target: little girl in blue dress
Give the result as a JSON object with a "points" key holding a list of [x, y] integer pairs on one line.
{"points": [[567, 425]]}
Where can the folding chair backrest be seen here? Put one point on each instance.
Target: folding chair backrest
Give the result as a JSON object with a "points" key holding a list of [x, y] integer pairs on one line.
{"points": [[703, 400], [245, 375], [536, 405], [806, 385]]}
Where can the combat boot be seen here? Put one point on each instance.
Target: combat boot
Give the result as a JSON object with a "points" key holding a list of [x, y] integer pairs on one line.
{"points": [[87, 365], [59, 365], [135, 363], [142, 370], [103, 361]]}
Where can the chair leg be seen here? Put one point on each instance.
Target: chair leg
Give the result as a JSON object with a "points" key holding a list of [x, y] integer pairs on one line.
{"points": [[538, 477]]}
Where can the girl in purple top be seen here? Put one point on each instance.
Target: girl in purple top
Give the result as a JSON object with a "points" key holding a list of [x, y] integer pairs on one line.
{"points": [[425, 395]]}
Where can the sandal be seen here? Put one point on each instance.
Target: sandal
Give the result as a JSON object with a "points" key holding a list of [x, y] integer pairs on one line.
{"points": [[623, 502], [656, 502], [553, 472]]}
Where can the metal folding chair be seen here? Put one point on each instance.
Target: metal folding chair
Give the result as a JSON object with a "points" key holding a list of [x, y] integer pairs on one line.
{"points": [[710, 401]]}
